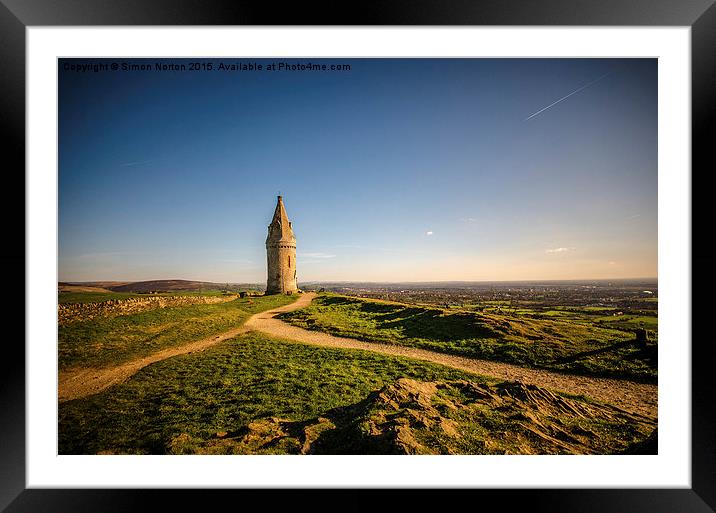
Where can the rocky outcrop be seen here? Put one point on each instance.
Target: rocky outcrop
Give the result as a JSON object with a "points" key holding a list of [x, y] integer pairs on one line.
{"points": [[446, 417]]}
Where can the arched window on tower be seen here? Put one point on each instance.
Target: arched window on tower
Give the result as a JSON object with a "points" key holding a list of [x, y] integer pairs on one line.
{"points": [[289, 262]]}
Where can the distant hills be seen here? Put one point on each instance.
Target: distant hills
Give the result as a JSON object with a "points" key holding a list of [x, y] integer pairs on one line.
{"points": [[158, 286], [192, 285]]}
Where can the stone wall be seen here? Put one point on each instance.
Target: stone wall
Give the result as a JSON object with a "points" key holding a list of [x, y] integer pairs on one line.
{"points": [[75, 312]]}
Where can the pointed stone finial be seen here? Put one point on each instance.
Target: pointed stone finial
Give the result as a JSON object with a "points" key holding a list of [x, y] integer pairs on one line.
{"points": [[280, 227]]}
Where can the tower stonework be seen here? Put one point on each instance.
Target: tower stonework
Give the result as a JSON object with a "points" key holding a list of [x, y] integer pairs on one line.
{"points": [[281, 254]]}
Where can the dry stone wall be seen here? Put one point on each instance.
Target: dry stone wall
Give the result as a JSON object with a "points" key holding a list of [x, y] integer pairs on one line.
{"points": [[76, 312]]}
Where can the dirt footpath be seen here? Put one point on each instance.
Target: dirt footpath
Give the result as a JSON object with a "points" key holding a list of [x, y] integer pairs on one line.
{"points": [[634, 397], [82, 382]]}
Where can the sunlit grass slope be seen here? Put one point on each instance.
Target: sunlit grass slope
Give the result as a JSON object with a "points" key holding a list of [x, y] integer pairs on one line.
{"points": [[555, 344], [110, 341], [256, 395]]}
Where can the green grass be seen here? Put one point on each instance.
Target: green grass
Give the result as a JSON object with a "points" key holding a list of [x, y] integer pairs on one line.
{"points": [[553, 313], [109, 341], [224, 388], [627, 321], [96, 297], [489, 430], [552, 343], [183, 404]]}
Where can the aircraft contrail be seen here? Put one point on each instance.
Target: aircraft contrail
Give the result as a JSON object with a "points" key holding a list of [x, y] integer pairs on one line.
{"points": [[127, 164], [570, 94]]}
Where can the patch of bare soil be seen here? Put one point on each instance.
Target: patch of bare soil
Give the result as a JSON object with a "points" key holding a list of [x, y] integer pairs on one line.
{"points": [[453, 417], [82, 382]]}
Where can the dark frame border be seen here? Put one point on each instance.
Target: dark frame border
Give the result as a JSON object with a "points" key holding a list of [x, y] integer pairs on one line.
{"points": [[700, 15]]}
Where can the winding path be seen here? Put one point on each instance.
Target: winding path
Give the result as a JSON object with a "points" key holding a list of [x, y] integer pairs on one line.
{"points": [[633, 397], [640, 398], [82, 382]]}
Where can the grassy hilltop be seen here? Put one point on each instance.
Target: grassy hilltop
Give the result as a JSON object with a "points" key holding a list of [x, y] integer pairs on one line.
{"points": [[257, 395], [110, 341], [95, 291], [556, 343]]}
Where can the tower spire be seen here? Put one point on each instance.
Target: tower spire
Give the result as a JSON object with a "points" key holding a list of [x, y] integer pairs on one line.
{"points": [[280, 227]]}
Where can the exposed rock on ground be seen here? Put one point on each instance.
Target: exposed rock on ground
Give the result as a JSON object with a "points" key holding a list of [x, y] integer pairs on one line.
{"points": [[454, 417]]}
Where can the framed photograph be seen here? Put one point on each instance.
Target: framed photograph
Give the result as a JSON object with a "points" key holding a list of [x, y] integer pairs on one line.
{"points": [[415, 248]]}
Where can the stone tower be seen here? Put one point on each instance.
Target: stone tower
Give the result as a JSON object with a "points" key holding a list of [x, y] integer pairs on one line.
{"points": [[281, 254]]}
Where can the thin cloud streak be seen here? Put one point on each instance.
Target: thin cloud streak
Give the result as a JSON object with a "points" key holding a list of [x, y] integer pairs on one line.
{"points": [[570, 94], [317, 255], [138, 163]]}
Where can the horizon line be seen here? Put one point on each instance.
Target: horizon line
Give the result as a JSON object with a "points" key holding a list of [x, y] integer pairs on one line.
{"points": [[653, 278]]}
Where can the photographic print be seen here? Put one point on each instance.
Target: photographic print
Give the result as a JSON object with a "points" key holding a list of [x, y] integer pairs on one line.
{"points": [[357, 256]]}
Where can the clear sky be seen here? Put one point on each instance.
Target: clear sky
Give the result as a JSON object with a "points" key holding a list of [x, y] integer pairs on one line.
{"points": [[397, 170]]}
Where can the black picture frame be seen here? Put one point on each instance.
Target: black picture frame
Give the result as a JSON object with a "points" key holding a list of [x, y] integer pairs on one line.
{"points": [[17, 15]]}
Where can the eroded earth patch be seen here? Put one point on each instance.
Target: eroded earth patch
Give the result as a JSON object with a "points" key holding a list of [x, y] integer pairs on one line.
{"points": [[444, 417]]}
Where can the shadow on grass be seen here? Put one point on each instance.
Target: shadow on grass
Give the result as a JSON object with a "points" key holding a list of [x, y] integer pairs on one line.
{"points": [[648, 354], [342, 433], [474, 335], [419, 322], [366, 428]]}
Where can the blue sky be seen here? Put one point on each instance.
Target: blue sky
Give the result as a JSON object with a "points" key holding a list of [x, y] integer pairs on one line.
{"points": [[397, 170]]}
